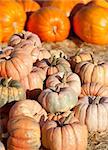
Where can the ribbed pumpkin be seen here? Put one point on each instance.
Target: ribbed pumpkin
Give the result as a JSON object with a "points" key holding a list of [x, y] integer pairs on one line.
{"points": [[93, 72], [29, 5], [54, 65], [93, 89], [62, 79], [12, 18], [28, 108], [56, 99], [2, 146], [93, 111], [17, 60], [65, 6], [90, 23], [10, 90], [24, 133], [50, 24], [65, 134]]}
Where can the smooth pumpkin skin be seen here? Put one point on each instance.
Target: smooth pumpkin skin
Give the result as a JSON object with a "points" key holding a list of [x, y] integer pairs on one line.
{"points": [[50, 24], [29, 5], [69, 136], [102, 3], [90, 23], [24, 133], [1, 33], [93, 89], [2, 146], [93, 112], [12, 18]]}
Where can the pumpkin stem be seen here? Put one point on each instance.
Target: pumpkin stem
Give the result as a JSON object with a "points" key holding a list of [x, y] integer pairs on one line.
{"points": [[94, 100], [5, 82], [64, 78], [94, 61], [68, 118], [54, 29], [79, 51], [53, 61]]}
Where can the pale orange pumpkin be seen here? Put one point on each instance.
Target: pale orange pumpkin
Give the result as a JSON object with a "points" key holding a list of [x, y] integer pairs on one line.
{"points": [[50, 24], [90, 23], [12, 18]]}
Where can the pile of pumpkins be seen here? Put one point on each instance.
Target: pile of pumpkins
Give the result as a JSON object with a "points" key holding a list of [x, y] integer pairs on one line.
{"points": [[53, 21], [48, 100]]}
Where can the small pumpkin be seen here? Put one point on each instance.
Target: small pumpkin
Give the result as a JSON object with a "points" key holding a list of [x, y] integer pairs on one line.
{"points": [[93, 89], [54, 65], [29, 5], [12, 18], [24, 133], [56, 99], [66, 133], [62, 79], [93, 72], [28, 108], [10, 90], [52, 24], [2, 147], [17, 60], [33, 82], [93, 111], [94, 27]]}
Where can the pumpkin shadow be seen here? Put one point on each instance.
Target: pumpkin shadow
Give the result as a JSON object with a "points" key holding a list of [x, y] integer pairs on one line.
{"points": [[33, 94]]}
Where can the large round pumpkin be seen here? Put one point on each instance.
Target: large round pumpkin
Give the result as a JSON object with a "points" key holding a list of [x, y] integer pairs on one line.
{"points": [[12, 18], [64, 134], [93, 111], [24, 133], [50, 24], [90, 23]]}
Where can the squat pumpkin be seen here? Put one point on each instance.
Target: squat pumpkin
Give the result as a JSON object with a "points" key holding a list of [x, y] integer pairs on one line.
{"points": [[50, 24]]}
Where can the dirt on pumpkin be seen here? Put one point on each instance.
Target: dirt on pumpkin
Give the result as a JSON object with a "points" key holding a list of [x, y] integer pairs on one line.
{"points": [[96, 141]]}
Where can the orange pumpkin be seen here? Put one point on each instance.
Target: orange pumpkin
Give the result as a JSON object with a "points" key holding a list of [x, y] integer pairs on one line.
{"points": [[12, 18], [102, 3], [90, 23], [65, 5], [1, 33], [29, 5], [50, 24]]}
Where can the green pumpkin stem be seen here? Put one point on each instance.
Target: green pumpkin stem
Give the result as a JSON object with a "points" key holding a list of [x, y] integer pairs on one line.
{"points": [[64, 78], [94, 100], [68, 118], [6, 82], [94, 61], [53, 60]]}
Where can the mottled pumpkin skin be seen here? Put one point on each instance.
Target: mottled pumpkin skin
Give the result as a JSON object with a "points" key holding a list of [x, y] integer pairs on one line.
{"points": [[64, 136], [62, 79], [93, 72], [94, 27], [93, 112], [57, 99], [10, 91], [93, 89], [12, 18], [52, 24], [24, 133]]}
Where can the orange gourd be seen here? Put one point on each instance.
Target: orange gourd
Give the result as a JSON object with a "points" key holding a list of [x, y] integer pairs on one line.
{"points": [[50, 24], [90, 23], [12, 18]]}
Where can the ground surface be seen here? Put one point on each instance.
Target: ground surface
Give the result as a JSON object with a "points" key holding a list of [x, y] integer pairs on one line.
{"points": [[96, 141]]}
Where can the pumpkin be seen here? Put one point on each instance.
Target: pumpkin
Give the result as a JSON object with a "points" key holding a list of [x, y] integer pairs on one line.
{"points": [[93, 89], [1, 33], [33, 82], [65, 6], [17, 60], [27, 41], [94, 27], [10, 90], [62, 79], [79, 57], [56, 99], [92, 111], [2, 146], [50, 24], [28, 108], [12, 18], [24, 133], [43, 54], [29, 5], [102, 3], [67, 133], [93, 72], [54, 65]]}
